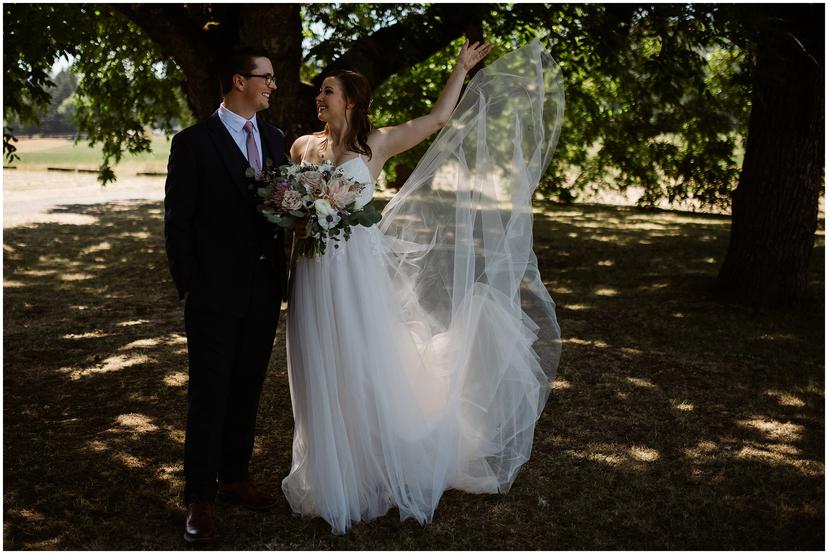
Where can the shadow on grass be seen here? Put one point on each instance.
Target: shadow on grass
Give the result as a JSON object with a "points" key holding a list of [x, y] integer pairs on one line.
{"points": [[676, 422]]}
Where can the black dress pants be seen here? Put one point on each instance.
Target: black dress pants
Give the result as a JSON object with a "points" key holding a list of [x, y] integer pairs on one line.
{"points": [[228, 358]]}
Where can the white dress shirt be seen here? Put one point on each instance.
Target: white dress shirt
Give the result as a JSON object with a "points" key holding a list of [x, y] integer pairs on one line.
{"points": [[235, 125]]}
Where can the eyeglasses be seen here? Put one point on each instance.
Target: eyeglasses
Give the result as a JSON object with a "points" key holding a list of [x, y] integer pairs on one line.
{"points": [[269, 79]]}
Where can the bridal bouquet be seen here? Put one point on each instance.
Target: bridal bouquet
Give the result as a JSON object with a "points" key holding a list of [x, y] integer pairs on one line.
{"points": [[329, 200]]}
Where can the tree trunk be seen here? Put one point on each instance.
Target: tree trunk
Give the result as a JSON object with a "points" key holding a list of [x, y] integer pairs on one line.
{"points": [[775, 205], [184, 36], [196, 35], [278, 29]]}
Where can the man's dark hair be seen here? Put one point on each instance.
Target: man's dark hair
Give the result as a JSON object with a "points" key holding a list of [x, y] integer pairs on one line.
{"points": [[239, 60]]}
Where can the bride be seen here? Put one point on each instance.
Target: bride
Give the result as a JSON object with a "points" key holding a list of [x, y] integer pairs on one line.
{"points": [[421, 350]]}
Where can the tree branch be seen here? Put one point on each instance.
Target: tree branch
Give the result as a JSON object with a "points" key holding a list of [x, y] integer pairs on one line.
{"points": [[191, 43], [411, 41]]}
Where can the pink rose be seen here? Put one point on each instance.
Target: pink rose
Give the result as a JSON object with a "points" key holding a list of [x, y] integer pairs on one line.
{"points": [[314, 181], [292, 201], [277, 193]]}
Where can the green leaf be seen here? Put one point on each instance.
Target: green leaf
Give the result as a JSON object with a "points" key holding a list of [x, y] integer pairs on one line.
{"points": [[105, 175]]}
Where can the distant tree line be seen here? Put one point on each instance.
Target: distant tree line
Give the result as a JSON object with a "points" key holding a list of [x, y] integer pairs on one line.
{"points": [[56, 118]]}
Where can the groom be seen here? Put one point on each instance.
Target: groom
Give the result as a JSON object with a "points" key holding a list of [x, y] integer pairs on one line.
{"points": [[231, 272]]}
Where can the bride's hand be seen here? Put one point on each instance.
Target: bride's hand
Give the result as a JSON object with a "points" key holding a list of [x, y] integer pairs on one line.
{"points": [[470, 55], [399, 138]]}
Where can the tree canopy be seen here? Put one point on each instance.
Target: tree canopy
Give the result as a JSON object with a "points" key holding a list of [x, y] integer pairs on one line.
{"points": [[656, 95]]}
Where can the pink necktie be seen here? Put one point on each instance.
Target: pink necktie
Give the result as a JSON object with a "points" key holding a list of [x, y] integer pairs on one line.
{"points": [[252, 151]]}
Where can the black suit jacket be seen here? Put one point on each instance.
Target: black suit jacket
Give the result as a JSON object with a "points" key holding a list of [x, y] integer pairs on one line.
{"points": [[214, 235]]}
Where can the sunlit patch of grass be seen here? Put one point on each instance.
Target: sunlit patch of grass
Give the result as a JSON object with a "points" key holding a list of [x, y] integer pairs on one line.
{"points": [[176, 379], [75, 276], [628, 350], [629, 458], [581, 342], [100, 247], [773, 429], [67, 219], [785, 398], [129, 461], [96, 334], [29, 515], [781, 457], [704, 450], [561, 384], [684, 406], [176, 435], [131, 322], [606, 291], [97, 446], [135, 235], [137, 422], [655, 286], [575, 307], [641, 383], [643, 454], [38, 272], [141, 343], [112, 363]]}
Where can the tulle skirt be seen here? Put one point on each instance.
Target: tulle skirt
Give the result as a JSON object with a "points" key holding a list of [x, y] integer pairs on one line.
{"points": [[389, 408], [420, 352]]}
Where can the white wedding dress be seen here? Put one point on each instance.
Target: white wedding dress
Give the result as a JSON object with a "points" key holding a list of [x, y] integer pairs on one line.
{"points": [[420, 352]]}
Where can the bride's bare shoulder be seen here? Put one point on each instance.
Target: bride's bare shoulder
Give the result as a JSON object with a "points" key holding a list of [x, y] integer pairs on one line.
{"points": [[300, 145]]}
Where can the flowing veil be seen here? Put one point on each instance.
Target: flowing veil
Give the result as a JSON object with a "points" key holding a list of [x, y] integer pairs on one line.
{"points": [[459, 234], [420, 354]]}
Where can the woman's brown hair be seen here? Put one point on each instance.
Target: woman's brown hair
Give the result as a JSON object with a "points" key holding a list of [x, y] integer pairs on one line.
{"points": [[357, 91]]}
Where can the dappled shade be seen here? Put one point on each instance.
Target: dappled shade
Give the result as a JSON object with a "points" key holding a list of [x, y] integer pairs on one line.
{"points": [[675, 421]]}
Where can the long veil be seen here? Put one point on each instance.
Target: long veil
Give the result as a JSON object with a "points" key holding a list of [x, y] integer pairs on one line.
{"points": [[459, 234], [422, 359]]}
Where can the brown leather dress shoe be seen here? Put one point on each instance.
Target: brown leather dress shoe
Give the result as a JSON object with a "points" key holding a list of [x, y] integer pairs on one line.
{"points": [[245, 494], [200, 526]]}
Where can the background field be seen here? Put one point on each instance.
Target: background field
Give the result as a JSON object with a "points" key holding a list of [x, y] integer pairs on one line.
{"points": [[37, 154], [40, 153]]}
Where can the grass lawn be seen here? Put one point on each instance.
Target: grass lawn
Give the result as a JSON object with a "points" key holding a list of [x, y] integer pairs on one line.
{"points": [[39, 153], [676, 421]]}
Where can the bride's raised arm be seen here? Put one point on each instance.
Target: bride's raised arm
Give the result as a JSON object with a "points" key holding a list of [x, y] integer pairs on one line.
{"points": [[390, 141]]}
